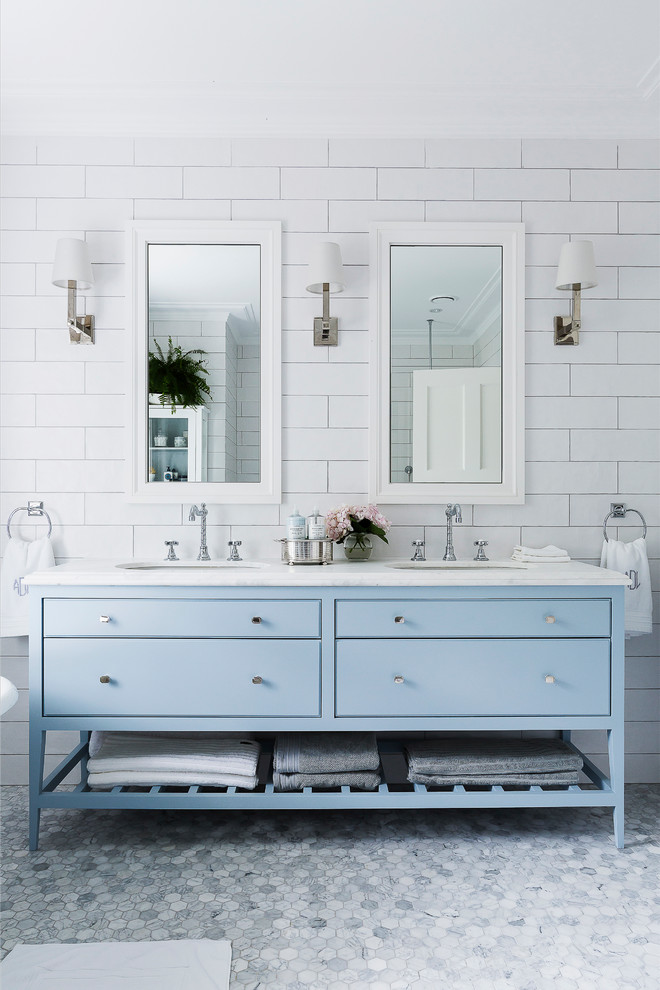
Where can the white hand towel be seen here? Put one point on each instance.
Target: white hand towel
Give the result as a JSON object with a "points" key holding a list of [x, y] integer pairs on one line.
{"points": [[632, 559], [546, 553], [21, 558]]}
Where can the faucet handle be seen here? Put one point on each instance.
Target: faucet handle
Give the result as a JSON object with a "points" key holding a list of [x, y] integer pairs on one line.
{"points": [[418, 543], [480, 552], [171, 555], [233, 552]]}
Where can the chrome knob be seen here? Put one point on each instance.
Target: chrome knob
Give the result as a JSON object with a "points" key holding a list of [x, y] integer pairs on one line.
{"points": [[104, 679], [550, 619], [399, 619], [256, 619], [398, 679], [104, 618], [257, 680], [549, 679]]}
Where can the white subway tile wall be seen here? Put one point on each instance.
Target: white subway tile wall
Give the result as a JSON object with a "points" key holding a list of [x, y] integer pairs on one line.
{"points": [[592, 417]]}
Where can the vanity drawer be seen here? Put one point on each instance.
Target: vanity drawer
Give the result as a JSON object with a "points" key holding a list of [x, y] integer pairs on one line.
{"points": [[524, 617], [108, 617], [164, 677], [473, 677]]}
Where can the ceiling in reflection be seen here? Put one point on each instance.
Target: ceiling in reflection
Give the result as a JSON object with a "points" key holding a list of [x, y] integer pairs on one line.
{"points": [[471, 275]]}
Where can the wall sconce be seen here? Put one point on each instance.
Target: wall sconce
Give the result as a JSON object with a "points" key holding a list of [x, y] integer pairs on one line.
{"points": [[576, 271], [72, 270], [326, 276]]}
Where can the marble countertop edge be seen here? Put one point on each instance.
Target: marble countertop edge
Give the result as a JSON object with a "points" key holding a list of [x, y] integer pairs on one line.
{"points": [[273, 573]]}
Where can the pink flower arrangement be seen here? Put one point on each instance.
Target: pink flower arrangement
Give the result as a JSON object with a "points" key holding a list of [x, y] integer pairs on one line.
{"points": [[362, 520]]}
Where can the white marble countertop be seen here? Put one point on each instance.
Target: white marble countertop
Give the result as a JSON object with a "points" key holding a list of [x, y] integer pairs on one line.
{"points": [[339, 574]]}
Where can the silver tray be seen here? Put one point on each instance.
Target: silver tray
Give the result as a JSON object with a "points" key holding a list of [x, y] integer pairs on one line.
{"points": [[306, 551]]}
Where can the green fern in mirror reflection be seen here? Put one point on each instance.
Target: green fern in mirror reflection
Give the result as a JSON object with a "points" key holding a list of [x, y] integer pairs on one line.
{"points": [[177, 376]]}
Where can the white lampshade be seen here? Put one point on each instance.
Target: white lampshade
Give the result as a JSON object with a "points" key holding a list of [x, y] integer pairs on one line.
{"points": [[325, 266], [576, 266], [8, 695], [72, 264]]}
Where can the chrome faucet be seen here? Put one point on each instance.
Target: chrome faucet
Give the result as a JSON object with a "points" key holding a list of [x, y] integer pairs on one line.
{"points": [[171, 553], [202, 513], [450, 512], [418, 555], [233, 549]]}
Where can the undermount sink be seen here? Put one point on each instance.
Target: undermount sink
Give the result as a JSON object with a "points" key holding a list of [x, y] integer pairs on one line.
{"points": [[452, 565], [186, 565]]}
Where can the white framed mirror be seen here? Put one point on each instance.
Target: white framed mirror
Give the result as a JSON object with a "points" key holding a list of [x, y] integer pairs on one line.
{"points": [[205, 361], [447, 363]]}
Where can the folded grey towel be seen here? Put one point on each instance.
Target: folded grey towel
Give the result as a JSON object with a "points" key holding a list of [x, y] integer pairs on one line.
{"points": [[325, 752], [562, 777], [455, 756], [365, 780]]}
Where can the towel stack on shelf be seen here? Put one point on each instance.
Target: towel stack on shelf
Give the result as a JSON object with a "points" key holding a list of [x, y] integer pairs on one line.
{"points": [[326, 759], [143, 760], [540, 555], [445, 762]]}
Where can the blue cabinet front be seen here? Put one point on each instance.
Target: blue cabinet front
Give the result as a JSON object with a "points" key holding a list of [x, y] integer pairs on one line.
{"points": [[472, 677], [182, 677]]}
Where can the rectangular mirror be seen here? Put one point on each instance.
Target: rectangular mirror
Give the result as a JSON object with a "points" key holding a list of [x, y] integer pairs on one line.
{"points": [[206, 390], [447, 363]]}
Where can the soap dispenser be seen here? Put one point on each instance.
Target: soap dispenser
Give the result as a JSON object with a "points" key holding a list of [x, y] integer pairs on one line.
{"points": [[315, 525], [295, 526]]}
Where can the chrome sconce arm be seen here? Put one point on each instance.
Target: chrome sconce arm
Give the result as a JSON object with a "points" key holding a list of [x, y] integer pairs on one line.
{"points": [[81, 328]]}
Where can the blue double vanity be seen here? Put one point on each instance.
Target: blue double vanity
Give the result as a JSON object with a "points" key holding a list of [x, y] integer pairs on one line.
{"points": [[348, 647]]}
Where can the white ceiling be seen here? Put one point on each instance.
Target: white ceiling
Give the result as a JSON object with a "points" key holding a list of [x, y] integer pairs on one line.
{"points": [[479, 68]]}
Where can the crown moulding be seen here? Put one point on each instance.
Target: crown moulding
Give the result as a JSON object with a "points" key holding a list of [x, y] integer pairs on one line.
{"points": [[163, 110]]}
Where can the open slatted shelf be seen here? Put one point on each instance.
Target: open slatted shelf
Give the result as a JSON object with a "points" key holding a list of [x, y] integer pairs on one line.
{"points": [[394, 792]]}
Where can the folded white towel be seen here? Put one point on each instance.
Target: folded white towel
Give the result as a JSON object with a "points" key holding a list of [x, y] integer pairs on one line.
{"points": [[21, 557], [98, 737], [632, 559], [542, 555], [549, 553], [169, 778], [141, 752]]}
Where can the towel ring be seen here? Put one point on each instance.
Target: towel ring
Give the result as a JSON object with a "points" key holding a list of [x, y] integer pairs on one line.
{"points": [[621, 515], [32, 509]]}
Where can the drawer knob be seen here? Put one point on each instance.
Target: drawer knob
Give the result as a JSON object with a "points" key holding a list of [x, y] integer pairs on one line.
{"points": [[104, 618], [256, 619], [104, 679], [550, 618], [549, 678], [257, 680], [398, 679], [399, 619]]}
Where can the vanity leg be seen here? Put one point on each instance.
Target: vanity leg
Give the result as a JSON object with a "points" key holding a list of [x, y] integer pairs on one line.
{"points": [[37, 751], [84, 738], [615, 753]]}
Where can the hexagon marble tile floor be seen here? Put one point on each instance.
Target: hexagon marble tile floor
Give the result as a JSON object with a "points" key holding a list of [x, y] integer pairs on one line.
{"points": [[397, 900]]}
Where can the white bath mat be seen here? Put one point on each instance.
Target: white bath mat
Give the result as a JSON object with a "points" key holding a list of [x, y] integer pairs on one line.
{"points": [[187, 964]]}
